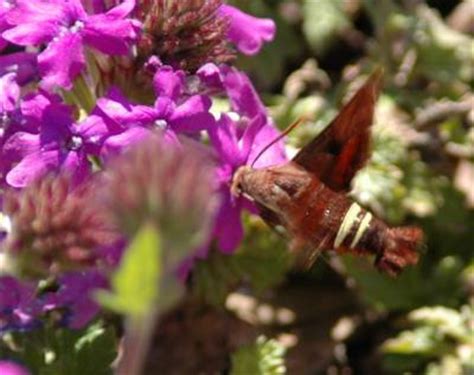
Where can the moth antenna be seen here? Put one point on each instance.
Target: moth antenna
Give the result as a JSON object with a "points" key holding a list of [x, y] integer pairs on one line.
{"points": [[285, 132]]}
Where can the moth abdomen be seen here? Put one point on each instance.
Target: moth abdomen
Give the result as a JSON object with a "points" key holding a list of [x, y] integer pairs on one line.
{"points": [[394, 248]]}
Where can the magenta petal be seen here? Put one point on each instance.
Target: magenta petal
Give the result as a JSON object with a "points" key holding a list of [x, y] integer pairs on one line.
{"points": [[210, 76], [275, 155], [223, 139], [22, 63], [37, 11], [12, 368], [77, 164], [123, 113], [168, 82], [229, 230], [117, 143], [31, 167], [249, 135], [122, 10], [192, 115], [242, 94], [10, 92], [248, 33], [36, 108], [93, 129], [31, 33], [61, 61], [191, 123], [75, 296], [21, 144], [109, 34]]}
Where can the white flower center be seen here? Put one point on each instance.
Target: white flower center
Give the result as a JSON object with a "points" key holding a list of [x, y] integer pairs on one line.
{"points": [[78, 26], [161, 124], [74, 143]]}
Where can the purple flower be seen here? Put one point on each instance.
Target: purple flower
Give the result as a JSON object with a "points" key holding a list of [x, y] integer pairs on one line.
{"points": [[248, 33], [5, 7], [237, 139], [12, 368], [19, 308], [134, 122], [65, 28], [23, 64], [237, 87], [234, 151], [60, 143], [11, 117], [169, 82], [75, 297]]}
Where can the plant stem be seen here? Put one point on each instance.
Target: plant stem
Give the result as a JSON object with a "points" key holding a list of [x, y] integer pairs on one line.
{"points": [[138, 336]]}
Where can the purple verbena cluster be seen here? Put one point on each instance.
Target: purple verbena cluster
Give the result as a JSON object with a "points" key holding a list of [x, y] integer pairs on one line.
{"points": [[66, 68]]}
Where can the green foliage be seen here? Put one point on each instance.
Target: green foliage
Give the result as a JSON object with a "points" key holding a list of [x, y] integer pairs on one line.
{"points": [[264, 357], [136, 283], [53, 351], [442, 342], [261, 261], [285, 47], [427, 48], [395, 183], [437, 279], [323, 21], [415, 287]]}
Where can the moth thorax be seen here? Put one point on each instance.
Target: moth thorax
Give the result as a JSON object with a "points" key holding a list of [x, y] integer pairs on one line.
{"points": [[354, 226]]}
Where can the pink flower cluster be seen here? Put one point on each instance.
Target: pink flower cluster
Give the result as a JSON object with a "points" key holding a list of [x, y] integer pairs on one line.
{"points": [[48, 124]]}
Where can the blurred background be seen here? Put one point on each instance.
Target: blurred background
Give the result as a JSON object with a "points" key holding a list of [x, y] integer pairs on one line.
{"points": [[343, 317]]}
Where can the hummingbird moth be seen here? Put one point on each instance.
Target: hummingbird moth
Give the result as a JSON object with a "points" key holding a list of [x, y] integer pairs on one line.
{"points": [[308, 196]]}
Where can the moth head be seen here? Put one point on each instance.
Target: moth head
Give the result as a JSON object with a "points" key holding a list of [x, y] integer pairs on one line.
{"points": [[275, 188]]}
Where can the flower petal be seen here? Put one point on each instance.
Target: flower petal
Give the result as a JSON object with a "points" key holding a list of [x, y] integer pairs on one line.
{"points": [[21, 144], [10, 93], [192, 115], [168, 82], [22, 63], [248, 33], [31, 167], [242, 94], [61, 61], [122, 113], [275, 155], [117, 143], [229, 230], [112, 33], [224, 140]]}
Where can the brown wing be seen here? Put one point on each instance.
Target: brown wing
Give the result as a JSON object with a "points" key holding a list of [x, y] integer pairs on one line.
{"points": [[343, 147]]}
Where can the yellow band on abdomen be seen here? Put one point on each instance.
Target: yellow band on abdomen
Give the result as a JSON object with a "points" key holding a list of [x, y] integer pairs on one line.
{"points": [[349, 219], [364, 224]]}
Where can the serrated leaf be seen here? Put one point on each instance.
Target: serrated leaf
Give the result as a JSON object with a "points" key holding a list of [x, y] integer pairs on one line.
{"points": [[136, 283]]}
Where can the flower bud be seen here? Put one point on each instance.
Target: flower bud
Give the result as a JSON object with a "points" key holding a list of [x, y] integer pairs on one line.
{"points": [[56, 226], [169, 185], [184, 33]]}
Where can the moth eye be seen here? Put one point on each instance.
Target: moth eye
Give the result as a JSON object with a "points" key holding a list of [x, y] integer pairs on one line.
{"points": [[289, 187]]}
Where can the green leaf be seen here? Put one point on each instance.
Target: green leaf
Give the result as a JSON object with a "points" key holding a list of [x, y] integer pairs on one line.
{"points": [[53, 351], [136, 283], [265, 357], [262, 261], [421, 341]]}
